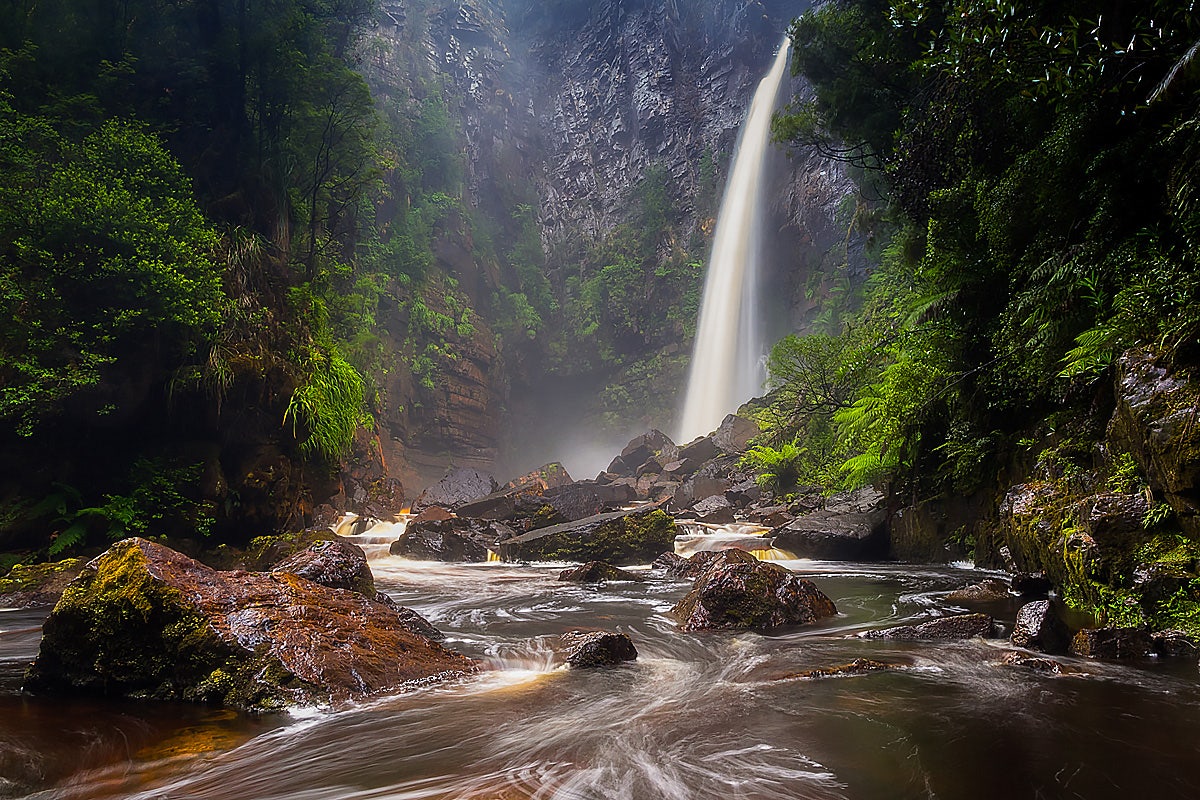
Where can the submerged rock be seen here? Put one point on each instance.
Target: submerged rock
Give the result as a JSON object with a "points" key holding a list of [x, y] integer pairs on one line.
{"points": [[28, 586], [1112, 643], [1038, 627], [737, 591], [960, 626], [145, 621], [584, 649], [597, 572], [619, 537], [859, 666], [1036, 663], [988, 591], [336, 564]]}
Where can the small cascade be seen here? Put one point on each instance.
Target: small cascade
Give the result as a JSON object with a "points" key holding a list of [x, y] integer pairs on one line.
{"points": [[374, 536], [697, 537], [725, 369]]}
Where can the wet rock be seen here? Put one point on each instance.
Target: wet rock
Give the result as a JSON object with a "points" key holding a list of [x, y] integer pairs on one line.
{"points": [[411, 619], [431, 514], [702, 450], [547, 476], [715, 510], [645, 447], [850, 528], [32, 585], [1038, 627], [263, 552], [585, 499], [1158, 583], [734, 433], [1031, 585], [1113, 521], [456, 488], [336, 564], [459, 539], [737, 591], [1175, 644], [618, 537], [988, 591], [744, 492], [676, 566], [1112, 643], [859, 666], [711, 479], [145, 621], [597, 572], [770, 516], [585, 649], [1035, 663], [961, 626]]}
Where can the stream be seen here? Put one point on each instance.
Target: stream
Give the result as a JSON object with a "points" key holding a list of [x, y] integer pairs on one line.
{"points": [[705, 715]]}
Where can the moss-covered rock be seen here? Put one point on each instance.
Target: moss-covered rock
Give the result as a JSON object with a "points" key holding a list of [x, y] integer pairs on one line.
{"points": [[29, 585], [620, 538], [263, 552], [145, 621]]}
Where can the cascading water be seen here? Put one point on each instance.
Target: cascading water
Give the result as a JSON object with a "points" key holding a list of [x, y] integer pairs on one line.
{"points": [[725, 368]]}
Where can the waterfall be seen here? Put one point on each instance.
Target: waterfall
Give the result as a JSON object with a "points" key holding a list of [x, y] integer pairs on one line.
{"points": [[725, 369]]}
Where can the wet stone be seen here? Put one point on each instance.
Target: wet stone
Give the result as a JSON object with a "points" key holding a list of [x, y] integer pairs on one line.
{"points": [[597, 572], [960, 626], [989, 591], [1035, 663], [1038, 627], [859, 666], [1112, 643], [586, 649]]}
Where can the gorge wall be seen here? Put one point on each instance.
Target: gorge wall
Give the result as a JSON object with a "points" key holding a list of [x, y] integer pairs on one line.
{"points": [[575, 124]]}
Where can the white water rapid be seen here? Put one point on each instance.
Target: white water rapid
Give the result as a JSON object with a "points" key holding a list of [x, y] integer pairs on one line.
{"points": [[725, 368]]}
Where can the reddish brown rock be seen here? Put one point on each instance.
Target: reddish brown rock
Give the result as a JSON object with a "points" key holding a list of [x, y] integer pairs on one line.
{"points": [[737, 591], [1112, 643], [28, 586], [145, 621], [337, 564]]}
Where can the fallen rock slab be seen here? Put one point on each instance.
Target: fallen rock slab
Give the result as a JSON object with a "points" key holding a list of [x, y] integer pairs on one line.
{"points": [[737, 591], [960, 626], [619, 537], [142, 620], [587, 649], [597, 572]]}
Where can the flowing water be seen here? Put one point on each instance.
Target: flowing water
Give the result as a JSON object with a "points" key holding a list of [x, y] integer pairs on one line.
{"points": [[725, 369], [702, 715]]}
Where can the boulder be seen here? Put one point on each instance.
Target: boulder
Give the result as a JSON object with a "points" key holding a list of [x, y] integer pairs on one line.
{"points": [[585, 649], [769, 516], [850, 528], [715, 510], [585, 499], [597, 572], [1175, 644], [1038, 627], [520, 497], [547, 476], [737, 591], [32, 585], [743, 492], [988, 591], [642, 448], [263, 552], [431, 514], [457, 487], [676, 566], [734, 433], [1112, 643], [460, 539], [142, 620], [702, 450], [960, 626], [713, 478], [336, 564], [617, 537]]}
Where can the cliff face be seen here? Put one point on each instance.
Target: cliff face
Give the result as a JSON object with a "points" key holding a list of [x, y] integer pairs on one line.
{"points": [[563, 107]]}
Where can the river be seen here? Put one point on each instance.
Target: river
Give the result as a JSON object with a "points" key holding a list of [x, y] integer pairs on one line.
{"points": [[705, 715]]}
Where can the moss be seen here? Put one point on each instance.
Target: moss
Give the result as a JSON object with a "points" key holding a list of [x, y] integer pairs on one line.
{"points": [[32, 577], [631, 539]]}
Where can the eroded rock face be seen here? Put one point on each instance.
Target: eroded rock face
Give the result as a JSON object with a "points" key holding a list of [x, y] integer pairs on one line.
{"points": [[737, 591], [145, 621], [961, 626], [586, 649], [337, 564]]}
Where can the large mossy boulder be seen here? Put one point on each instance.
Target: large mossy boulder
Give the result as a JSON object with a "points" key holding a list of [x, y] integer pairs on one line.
{"points": [[736, 591], [31, 585], [620, 538], [142, 620]]}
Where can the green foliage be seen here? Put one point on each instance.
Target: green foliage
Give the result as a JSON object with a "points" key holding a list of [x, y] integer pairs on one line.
{"points": [[778, 468], [327, 408]]}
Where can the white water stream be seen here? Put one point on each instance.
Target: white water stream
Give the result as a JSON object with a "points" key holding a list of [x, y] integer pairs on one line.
{"points": [[726, 368]]}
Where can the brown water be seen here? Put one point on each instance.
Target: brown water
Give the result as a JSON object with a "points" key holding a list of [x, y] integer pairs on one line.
{"points": [[697, 716]]}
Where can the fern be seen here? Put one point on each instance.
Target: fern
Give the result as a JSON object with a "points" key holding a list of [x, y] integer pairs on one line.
{"points": [[73, 536], [328, 405]]}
